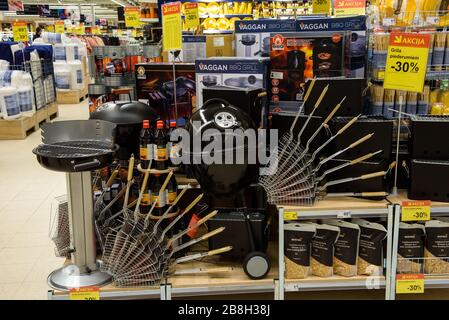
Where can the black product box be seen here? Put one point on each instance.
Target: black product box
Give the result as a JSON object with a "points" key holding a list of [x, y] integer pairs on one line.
{"points": [[429, 180], [352, 89], [365, 167], [251, 101], [296, 57], [429, 137], [236, 233], [381, 140], [283, 121], [155, 85]]}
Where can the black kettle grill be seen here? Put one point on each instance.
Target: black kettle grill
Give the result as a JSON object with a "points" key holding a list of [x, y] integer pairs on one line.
{"points": [[220, 180], [128, 116]]}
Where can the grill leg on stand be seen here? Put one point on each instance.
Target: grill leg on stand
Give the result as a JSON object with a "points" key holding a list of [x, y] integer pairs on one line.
{"points": [[83, 271]]}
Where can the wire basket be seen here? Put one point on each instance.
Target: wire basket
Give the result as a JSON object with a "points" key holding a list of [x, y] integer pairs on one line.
{"points": [[39, 92], [59, 230], [429, 266], [49, 89]]}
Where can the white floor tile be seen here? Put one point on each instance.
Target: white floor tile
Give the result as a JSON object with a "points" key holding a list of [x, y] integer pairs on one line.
{"points": [[8, 291], [13, 273]]}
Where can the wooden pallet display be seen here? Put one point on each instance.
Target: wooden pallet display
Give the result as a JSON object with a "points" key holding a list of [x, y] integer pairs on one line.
{"points": [[18, 128], [71, 96]]}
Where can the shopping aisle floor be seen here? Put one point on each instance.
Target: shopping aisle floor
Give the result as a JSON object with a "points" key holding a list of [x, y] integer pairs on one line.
{"points": [[27, 191]]}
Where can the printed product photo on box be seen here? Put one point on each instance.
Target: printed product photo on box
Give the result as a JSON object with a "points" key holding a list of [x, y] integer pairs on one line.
{"points": [[193, 47], [232, 72], [356, 44], [252, 37], [296, 57], [155, 85]]}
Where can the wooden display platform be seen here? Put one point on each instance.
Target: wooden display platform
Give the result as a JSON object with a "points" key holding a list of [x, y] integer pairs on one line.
{"points": [[20, 128], [71, 96], [335, 282], [343, 204], [197, 284], [402, 196]]}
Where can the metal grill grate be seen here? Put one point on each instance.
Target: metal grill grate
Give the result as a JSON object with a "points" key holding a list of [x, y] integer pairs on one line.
{"points": [[74, 149]]}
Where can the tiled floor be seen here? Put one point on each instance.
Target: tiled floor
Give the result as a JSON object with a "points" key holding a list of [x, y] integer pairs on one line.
{"points": [[26, 194]]}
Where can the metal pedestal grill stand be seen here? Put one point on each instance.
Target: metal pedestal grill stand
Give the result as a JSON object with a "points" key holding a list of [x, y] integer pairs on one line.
{"points": [[84, 270], [76, 148]]}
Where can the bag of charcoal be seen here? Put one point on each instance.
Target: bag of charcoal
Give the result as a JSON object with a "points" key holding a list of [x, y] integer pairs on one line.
{"points": [[370, 259], [297, 244], [410, 248], [323, 250]]}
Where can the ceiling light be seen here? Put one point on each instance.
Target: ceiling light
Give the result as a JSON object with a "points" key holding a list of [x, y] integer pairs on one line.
{"points": [[119, 3]]}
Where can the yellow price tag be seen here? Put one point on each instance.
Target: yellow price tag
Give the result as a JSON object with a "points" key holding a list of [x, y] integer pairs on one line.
{"points": [[290, 215], [410, 283], [192, 16], [407, 61], [132, 17], [172, 26], [80, 30], [95, 30], [20, 31], [381, 75], [59, 26], [349, 7], [134, 33], [87, 293], [321, 6], [415, 211]]}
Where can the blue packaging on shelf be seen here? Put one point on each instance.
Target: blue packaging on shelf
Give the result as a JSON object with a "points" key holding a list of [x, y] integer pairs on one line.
{"points": [[230, 72]]}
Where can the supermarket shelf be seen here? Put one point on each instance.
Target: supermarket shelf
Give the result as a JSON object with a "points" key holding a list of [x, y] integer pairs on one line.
{"points": [[206, 1], [196, 284], [149, 20], [436, 282], [218, 31], [335, 283], [148, 1], [436, 208], [346, 207], [228, 282], [111, 292], [216, 16], [379, 74]]}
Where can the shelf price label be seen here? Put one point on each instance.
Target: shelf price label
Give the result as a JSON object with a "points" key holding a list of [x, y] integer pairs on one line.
{"points": [[192, 18], [86, 293], [59, 27], [95, 30], [290, 215], [132, 17], [20, 31], [80, 29], [415, 211], [321, 6], [349, 7], [407, 61], [410, 283], [172, 26]]}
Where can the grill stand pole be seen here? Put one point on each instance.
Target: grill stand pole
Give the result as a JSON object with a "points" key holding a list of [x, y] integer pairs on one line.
{"points": [[83, 271]]}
